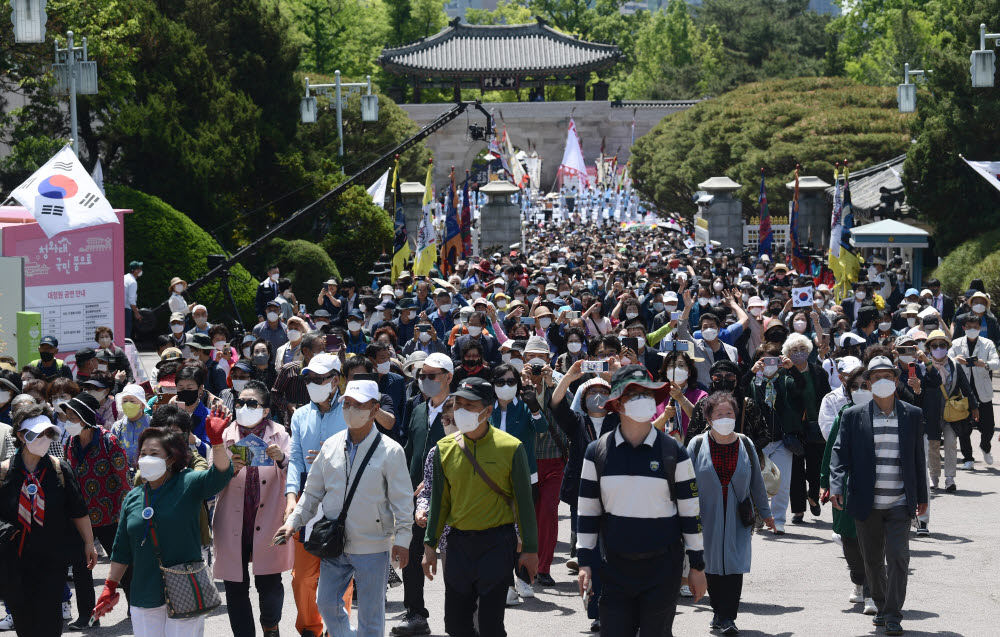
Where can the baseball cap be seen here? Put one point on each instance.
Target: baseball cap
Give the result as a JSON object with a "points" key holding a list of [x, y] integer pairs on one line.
{"points": [[132, 265], [49, 340], [169, 354], [273, 303], [385, 305], [362, 391], [322, 364], [176, 316], [850, 339], [881, 363], [440, 361], [84, 354], [476, 388], [37, 425], [911, 292], [634, 375], [848, 364]]}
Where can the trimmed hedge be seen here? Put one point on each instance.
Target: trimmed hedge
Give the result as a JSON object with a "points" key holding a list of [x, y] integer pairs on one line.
{"points": [[305, 263], [170, 244], [975, 259]]}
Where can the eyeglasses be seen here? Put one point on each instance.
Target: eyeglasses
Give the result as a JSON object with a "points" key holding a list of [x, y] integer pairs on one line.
{"points": [[422, 376], [252, 403], [320, 380], [509, 382]]}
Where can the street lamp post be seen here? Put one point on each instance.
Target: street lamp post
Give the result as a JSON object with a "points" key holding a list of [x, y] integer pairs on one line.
{"points": [[28, 17], [983, 61], [369, 105], [74, 74], [906, 93]]}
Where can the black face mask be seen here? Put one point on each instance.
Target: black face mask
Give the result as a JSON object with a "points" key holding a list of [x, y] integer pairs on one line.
{"points": [[188, 396], [723, 385], [46, 356]]}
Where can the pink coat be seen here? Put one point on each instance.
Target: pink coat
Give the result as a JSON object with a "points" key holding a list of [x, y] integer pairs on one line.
{"points": [[228, 524]]}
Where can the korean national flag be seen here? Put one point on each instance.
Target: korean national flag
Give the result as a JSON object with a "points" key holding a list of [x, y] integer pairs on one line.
{"points": [[61, 196]]}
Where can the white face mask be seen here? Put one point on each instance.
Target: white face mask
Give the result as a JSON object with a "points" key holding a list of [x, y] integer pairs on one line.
{"points": [[717, 286], [973, 333], [354, 326], [475, 330], [425, 337], [859, 296], [247, 353], [152, 468], [363, 307], [564, 293], [476, 295], [759, 274], [274, 277], [294, 335], [756, 311], [641, 408], [40, 445], [398, 292], [178, 288], [319, 393], [105, 342], [550, 296], [219, 345], [631, 315], [517, 364], [383, 368], [176, 328], [272, 316], [669, 307], [978, 308], [73, 428], [710, 334], [501, 304], [861, 396], [910, 322], [506, 392], [201, 320], [702, 301], [5, 397], [466, 420], [800, 326], [884, 327], [102, 368], [884, 388], [386, 298], [444, 308], [247, 417], [544, 323], [238, 385], [574, 346], [99, 394], [770, 370], [677, 375], [356, 417], [906, 359], [724, 426]]}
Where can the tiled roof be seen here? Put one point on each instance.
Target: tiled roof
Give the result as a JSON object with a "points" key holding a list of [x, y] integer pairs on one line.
{"points": [[866, 184], [465, 50]]}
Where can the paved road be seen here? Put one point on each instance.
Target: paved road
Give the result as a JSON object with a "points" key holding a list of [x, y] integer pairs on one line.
{"points": [[798, 585]]}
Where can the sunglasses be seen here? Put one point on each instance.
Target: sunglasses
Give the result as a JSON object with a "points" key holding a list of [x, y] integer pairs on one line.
{"points": [[252, 403], [724, 376], [319, 380], [509, 382], [29, 436], [434, 376]]}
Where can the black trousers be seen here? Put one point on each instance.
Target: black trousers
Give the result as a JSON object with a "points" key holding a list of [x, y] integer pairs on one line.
{"points": [[985, 428], [413, 575], [270, 593], [37, 609], [480, 569], [640, 595], [83, 577], [806, 469], [724, 593], [855, 562]]}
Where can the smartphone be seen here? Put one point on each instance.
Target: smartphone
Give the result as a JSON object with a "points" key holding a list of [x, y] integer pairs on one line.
{"points": [[675, 346], [572, 315], [279, 540], [911, 369], [674, 316], [334, 342], [302, 308], [772, 361], [907, 350], [527, 320], [631, 343], [970, 361], [594, 367], [423, 328]]}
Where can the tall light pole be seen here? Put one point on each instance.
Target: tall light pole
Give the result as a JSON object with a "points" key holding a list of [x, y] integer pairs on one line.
{"points": [[28, 17], [74, 74], [983, 61], [369, 105], [906, 93]]}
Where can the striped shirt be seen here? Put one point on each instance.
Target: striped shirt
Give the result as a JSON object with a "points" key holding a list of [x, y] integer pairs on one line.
{"points": [[632, 506], [888, 470]]}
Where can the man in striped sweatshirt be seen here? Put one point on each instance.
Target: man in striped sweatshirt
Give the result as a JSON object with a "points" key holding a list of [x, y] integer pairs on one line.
{"points": [[637, 514]]}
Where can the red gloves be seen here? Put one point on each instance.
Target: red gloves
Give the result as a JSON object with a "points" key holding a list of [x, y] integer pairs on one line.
{"points": [[107, 600], [215, 424]]}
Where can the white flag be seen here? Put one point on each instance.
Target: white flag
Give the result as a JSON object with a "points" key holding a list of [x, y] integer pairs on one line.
{"points": [[98, 175], [572, 163], [61, 196], [377, 190], [990, 170]]}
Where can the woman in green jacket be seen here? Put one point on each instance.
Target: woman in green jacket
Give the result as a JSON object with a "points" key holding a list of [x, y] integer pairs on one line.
{"points": [[859, 393]]}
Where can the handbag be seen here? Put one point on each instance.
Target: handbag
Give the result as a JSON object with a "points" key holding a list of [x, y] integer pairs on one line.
{"points": [[955, 409], [328, 536], [187, 587], [793, 442], [772, 477]]}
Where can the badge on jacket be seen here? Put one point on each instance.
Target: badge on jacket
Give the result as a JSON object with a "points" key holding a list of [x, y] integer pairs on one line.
{"points": [[654, 465]]}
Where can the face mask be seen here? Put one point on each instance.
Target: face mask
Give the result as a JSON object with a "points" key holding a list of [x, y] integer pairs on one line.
{"points": [[800, 326], [152, 468], [717, 286], [564, 293], [906, 359], [859, 296], [319, 393], [658, 307], [201, 320], [383, 368], [550, 296], [105, 342], [724, 426], [466, 420], [294, 335], [354, 326], [923, 347], [517, 364], [188, 396], [274, 277], [247, 417], [425, 337], [506, 392], [758, 273], [884, 388], [798, 357], [710, 334], [574, 346], [505, 358], [73, 428], [40, 445], [475, 330], [444, 308], [544, 323], [770, 370], [973, 333], [176, 328], [363, 307], [861, 396], [386, 298], [398, 292], [132, 410], [595, 402], [745, 297], [723, 385], [260, 359], [501, 303], [356, 417], [939, 353], [818, 303], [884, 327], [702, 301], [99, 394], [631, 315], [641, 408], [978, 308], [272, 317], [910, 322], [430, 387], [677, 374], [756, 311], [178, 288]]}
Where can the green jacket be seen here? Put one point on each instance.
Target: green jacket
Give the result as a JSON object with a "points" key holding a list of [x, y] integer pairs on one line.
{"points": [[843, 524]]}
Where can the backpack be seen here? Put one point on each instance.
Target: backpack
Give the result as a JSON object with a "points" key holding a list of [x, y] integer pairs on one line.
{"points": [[668, 447]]}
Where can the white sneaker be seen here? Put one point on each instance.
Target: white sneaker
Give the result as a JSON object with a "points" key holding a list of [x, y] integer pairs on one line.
{"points": [[934, 483], [870, 607], [67, 610], [988, 458], [686, 591], [969, 466], [839, 541], [7, 623], [512, 598], [524, 589], [858, 595]]}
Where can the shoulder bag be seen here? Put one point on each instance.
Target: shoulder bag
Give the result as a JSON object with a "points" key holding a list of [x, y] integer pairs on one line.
{"points": [[187, 587], [329, 536], [956, 409]]}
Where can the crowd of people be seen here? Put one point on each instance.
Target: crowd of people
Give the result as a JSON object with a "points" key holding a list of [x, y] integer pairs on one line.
{"points": [[675, 397]]}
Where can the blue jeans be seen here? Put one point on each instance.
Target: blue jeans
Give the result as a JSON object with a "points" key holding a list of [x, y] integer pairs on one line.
{"points": [[782, 458], [370, 573]]}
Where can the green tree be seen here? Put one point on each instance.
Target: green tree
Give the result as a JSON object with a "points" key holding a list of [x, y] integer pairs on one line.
{"points": [[344, 35], [877, 37], [359, 233], [506, 13], [306, 264]]}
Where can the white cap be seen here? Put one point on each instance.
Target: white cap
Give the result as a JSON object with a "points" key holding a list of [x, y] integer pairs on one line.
{"points": [[37, 425], [850, 339], [439, 361], [323, 364], [362, 390], [848, 364], [669, 295]]}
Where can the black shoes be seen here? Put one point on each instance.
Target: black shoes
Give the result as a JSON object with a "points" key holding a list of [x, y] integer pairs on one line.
{"points": [[729, 628], [595, 626], [814, 507], [878, 620], [715, 622], [798, 518], [545, 579], [83, 623], [893, 628], [271, 633], [412, 624]]}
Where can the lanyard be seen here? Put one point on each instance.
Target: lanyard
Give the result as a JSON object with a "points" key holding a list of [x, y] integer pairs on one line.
{"points": [[149, 500]]}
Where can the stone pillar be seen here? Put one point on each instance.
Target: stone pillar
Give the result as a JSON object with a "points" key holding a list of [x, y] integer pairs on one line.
{"points": [[499, 219], [814, 211], [720, 214], [413, 203]]}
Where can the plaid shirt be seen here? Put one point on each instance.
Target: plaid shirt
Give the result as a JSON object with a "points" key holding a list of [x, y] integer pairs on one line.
{"points": [[724, 459]]}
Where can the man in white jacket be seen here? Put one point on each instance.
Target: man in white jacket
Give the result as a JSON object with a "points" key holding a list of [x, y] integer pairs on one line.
{"points": [[979, 356], [836, 399], [379, 515]]}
